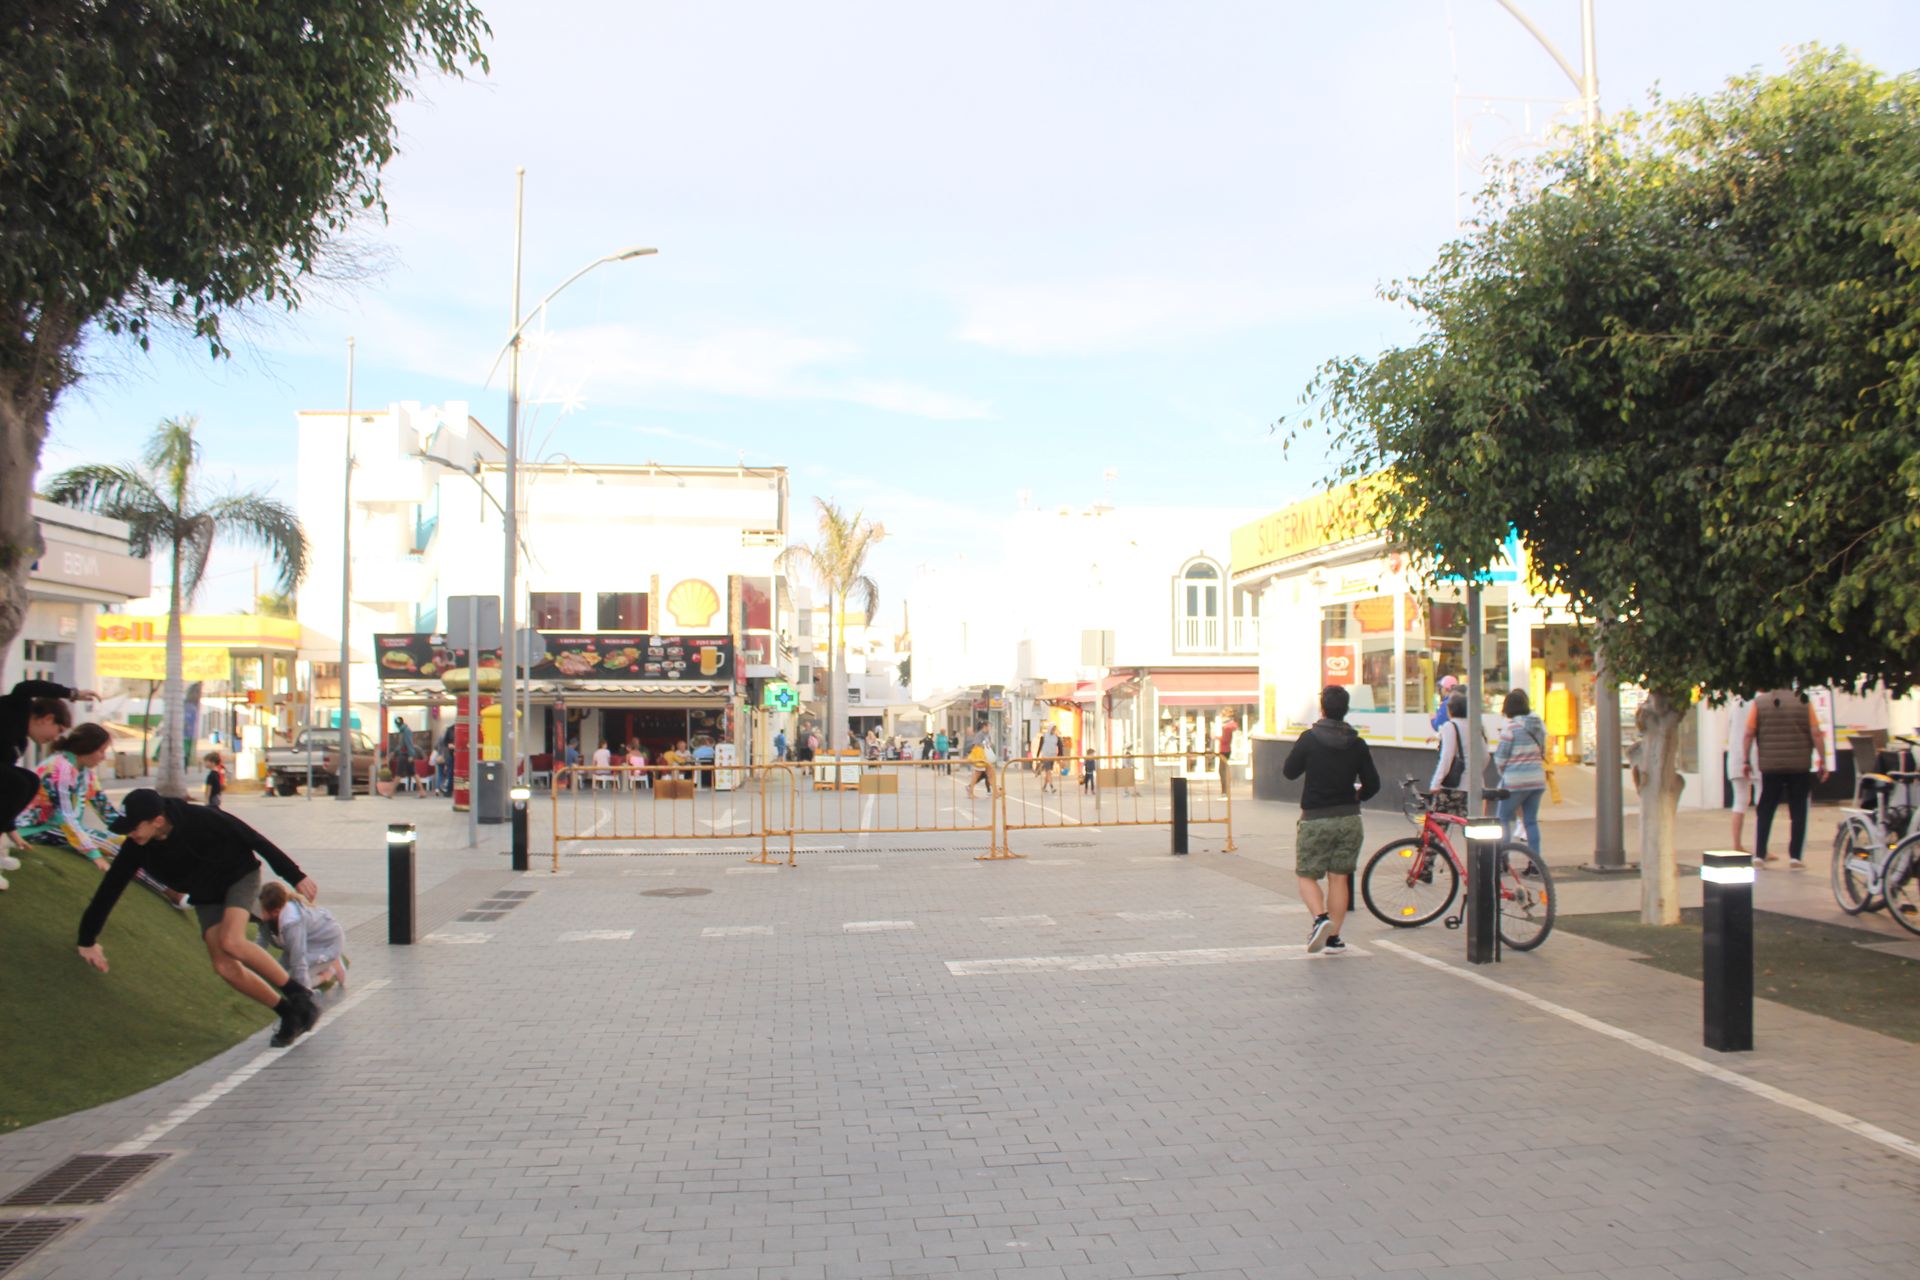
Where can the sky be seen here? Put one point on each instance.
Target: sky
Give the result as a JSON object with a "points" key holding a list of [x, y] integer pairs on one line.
{"points": [[935, 259]]}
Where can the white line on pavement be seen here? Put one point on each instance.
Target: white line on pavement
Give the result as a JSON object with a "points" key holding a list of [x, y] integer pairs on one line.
{"points": [[460, 937], [247, 1071], [1053, 862], [855, 866], [1017, 922], [737, 931], [1174, 914], [596, 935], [876, 926], [1134, 960], [1793, 1101], [753, 871]]}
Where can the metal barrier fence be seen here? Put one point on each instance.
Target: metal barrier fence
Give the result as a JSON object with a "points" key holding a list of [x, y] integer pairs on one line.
{"points": [[1113, 791], [622, 809]]}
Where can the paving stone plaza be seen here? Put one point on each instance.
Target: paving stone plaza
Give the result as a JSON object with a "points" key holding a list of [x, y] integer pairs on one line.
{"points": [[1098, 1061]]}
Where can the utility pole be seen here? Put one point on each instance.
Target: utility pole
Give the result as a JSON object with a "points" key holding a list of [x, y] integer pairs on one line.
{"points": [[343, 770], [510, 587]]}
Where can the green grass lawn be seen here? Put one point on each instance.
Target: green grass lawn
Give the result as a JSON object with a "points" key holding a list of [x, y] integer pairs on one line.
{"points": [[1806, 964], [71, 1037]]}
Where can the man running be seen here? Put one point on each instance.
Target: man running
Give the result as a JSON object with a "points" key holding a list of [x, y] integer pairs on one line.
{"points": [[1340, 776], [209, 854]]}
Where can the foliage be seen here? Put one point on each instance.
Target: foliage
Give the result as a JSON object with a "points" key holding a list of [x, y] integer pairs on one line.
{"points": [[837, 563], [165, 510], [274, 604]]}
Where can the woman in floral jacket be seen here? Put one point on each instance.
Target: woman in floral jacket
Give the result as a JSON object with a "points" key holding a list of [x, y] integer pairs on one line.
{"points": [[57, 815]]}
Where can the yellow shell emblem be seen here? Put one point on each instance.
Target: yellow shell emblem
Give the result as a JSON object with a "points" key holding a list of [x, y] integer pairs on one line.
{"points": [[693, 603]]}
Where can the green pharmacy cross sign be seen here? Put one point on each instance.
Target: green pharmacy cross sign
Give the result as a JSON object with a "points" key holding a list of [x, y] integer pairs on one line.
{"points": [[780, 696]]}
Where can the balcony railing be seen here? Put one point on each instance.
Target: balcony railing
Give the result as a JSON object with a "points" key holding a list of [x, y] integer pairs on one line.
{"points": [[1200, 633], [1246, 635]]}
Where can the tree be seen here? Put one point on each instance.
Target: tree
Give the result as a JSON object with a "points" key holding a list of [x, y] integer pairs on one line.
{"points": [[837, 563], [1682, 364], [163, 505], [163, 164]]}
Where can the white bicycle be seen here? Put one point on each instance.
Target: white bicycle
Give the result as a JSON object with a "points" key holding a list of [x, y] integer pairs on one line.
{"points": [[1876, 852]]}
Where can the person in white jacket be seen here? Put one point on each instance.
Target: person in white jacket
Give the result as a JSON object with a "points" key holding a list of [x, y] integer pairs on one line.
{"points": [[311, 940]]}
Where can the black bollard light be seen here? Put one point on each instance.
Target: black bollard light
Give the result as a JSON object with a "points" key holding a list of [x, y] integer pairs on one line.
{"points": [[520, 796], [1483, 891], [1179, 815], [400, 883], [1726, 943]]}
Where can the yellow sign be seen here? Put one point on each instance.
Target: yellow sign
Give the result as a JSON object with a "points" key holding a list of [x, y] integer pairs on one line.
{"points": [[233, 631], [149, 662], [1319, 521]]}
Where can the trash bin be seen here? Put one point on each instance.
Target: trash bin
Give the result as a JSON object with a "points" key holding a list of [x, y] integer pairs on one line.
{"points": [[490, 796]]}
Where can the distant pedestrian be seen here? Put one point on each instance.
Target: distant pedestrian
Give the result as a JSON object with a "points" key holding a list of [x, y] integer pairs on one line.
{"points": [[1087, 768], [1785, 732], [780, 745], [216, 780], [1444, 710], [1740, 771], [445, 778], [1340, 777], [1229, 726], [1450, 770], [1049, 753], [1522, 760], [941, 746]]}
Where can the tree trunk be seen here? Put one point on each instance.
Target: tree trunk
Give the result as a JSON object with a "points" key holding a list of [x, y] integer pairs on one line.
{"points": [[840, 661], [20, 543], [1659, 783], [828, 735], [172, 778]]}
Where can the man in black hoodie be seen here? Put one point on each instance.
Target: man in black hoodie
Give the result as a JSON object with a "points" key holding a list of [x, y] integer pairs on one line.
{"points": [[1340, 775], [210, 855]]}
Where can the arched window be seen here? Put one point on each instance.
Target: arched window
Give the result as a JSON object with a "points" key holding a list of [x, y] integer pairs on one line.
{"points": [[1196, 607]]}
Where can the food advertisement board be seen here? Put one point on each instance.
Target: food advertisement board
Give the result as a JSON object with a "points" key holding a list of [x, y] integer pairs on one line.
{"points": [[607, 656], [420, 655]]}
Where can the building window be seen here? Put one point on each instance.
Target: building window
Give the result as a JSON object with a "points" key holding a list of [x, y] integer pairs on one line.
{"points": [[623, 611], [1197, 607], [555, 610], [1246, 621], [756, 604]]}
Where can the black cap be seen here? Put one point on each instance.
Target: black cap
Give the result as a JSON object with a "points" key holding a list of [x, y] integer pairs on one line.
{"points": [[139, 806]]}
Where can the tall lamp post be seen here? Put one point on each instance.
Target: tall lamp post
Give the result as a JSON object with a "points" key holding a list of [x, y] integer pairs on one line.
{"points": [[509, 758], [343, 770]]}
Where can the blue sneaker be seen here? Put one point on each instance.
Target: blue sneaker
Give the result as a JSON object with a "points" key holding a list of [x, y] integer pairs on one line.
{"points": [[1317, 936]]}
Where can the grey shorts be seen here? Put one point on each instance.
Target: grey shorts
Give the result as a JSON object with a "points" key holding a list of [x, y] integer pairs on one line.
{"points": [[243, 893], [1327, 846]]}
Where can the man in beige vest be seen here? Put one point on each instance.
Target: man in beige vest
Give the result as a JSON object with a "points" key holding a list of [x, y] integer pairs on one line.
{"points": [[1784, 733]]}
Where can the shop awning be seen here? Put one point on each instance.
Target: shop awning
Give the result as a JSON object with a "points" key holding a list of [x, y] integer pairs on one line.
{"points": [[606, 693], [1094, 690], [942, 700], [1207, 688]]}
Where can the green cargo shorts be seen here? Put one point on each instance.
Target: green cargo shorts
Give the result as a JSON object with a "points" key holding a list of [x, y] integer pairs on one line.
{"points": [[1327, 846]]}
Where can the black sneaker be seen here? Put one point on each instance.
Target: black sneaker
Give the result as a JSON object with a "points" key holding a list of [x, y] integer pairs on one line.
{"points": [[290, 1025], [300, 1000], [1317, 936], [1335, 946]]}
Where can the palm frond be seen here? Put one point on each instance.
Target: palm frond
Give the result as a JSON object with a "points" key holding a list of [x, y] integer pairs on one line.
{"points": [[173, 456], [119, 493], [194, 547], [864, 593], [264, 524]]}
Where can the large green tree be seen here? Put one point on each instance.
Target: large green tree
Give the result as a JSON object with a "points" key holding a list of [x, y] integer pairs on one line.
{"points": [[1681, 360], [162, 164], [166, 509], [837, 562]]}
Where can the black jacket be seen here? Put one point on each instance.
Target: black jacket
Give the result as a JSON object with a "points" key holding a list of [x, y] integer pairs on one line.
{"points": [[206, 853], [1334, 758], [14, 707]]}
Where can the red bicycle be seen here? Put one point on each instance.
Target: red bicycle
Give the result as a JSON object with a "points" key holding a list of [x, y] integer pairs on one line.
{"points": [[1407, 883]]}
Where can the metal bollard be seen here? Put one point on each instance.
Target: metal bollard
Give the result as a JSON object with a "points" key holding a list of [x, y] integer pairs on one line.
{"points": [[1726, 942], [400, 883], [1483, 891], [1179, 815], [520, 796]]}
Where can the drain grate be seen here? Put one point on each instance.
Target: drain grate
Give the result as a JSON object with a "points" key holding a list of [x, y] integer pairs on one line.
{"points": [[83, 1180], [21, 1238], [678, 891], [475, 917], [521, 894]]}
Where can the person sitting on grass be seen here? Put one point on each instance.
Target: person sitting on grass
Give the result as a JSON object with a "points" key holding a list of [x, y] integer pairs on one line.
{"points": [[210, 854], [312, 943], [37, 710], [70, 811]]}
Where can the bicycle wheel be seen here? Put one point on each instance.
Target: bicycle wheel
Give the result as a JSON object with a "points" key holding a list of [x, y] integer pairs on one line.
{"points": [[1903, 884], [1404, 887], [1852, 871], [1526, 897]]}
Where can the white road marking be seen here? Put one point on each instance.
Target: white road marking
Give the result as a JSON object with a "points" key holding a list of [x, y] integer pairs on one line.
{"points": [[1282, 908], [753, 871], [1132, 960], [194, 1106], [876, 926], [1017, 922], [459, 937], [855, 866], [650, 871], [738, 931], [1175, 914], [596, 935], [1054, 862], [866, 817], [1792, 1101]]}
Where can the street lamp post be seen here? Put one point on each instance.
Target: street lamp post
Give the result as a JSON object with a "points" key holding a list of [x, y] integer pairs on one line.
{"points": [[509, 593], [343, 770]]}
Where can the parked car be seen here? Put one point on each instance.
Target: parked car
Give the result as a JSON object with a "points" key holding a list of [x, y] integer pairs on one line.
{"points": [[287, 767]]}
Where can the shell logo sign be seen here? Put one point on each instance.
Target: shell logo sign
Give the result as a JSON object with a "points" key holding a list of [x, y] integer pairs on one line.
{"points": [[693, 603]]}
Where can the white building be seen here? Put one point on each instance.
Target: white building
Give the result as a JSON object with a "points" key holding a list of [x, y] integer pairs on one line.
{"points": [[1115, 624], [85, 567], [657, 588]]}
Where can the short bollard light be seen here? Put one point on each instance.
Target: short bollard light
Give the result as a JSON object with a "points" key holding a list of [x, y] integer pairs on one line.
{"points": [[1483, 891], [520, 796], [1179, 815], [401, 846], [1726, 945]]}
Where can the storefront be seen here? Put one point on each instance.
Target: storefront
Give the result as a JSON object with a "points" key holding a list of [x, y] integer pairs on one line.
{"points": [[1189, 706]]}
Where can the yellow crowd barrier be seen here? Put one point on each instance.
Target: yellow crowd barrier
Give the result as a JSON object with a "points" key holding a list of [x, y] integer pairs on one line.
{"points": [[1041, 792]]}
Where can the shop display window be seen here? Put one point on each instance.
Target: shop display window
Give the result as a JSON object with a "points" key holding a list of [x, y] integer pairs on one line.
{"points": [[1444, 648], [554, 610], [622, 611], [1356, 650]]}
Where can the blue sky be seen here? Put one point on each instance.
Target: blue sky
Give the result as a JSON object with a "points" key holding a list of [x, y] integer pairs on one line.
{"points": [[929, 257]]}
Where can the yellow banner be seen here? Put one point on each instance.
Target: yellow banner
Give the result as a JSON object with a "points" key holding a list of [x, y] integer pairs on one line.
{"points": [[1319, 521], [149, 662]]}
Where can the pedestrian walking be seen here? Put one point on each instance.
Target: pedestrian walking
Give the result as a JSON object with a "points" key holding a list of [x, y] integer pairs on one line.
{"points": [[780, 745], [1740, 771], [445, 776], [1229, 726], [1786, 735], [1049, 753], [1340, 777], [1087, 767], [1451, 768], [36, 710], [211, 856], [216, 780], [1521, 757]]}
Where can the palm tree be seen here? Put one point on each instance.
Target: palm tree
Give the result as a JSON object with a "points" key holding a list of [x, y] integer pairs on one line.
{"points": [[837, 563], [164, 507]]}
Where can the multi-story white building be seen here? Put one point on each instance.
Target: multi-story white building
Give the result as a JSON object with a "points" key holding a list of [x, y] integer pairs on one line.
{"points": [[1115, 624], [86, 566], [657, 589]]}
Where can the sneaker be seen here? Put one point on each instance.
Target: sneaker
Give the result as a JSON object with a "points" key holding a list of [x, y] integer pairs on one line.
{"points": [[300, 1000], [1317, 936], [1335, 946], [290, 1028], [8, 862], [4, 886], [1796, 864]]}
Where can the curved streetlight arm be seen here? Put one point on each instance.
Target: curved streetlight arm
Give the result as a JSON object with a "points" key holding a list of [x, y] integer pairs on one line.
{"points": [[555, 292], [1545, 43]]}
